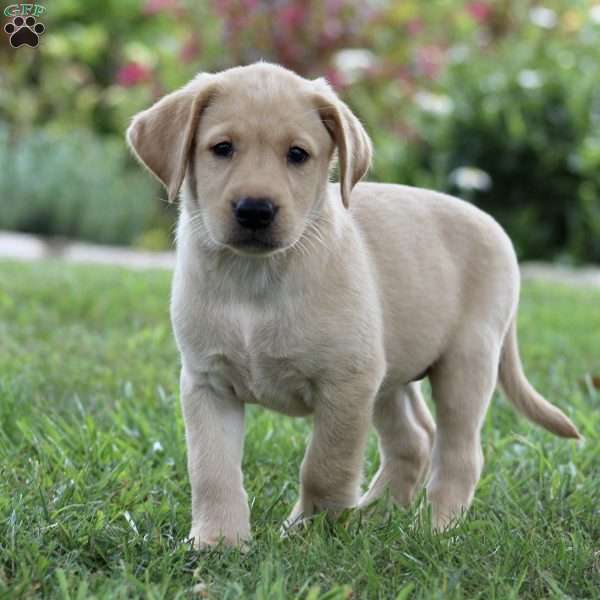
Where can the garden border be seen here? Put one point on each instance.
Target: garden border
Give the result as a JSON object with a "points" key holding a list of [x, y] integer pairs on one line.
{"points": [[27, 247]]}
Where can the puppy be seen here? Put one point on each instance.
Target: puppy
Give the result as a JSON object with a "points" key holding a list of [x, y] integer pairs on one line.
{"points": [[308, 297]]}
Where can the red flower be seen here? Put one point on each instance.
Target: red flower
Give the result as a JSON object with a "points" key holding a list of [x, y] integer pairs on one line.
{"points": [[292, 16], [479, 11], [132, 74]]}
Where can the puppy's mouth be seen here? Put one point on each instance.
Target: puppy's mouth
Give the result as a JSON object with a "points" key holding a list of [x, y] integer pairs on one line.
{"points": [[255, 246]]}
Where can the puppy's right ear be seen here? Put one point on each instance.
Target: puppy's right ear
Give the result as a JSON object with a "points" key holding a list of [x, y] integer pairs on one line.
{"points": [[162, 136]]}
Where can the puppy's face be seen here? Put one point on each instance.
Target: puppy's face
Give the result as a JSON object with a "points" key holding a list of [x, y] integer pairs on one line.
{"points": [[256, 144], [260, 162]]}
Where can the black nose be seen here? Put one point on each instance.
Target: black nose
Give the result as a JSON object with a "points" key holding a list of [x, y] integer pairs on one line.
{"points": [[254, 213]]}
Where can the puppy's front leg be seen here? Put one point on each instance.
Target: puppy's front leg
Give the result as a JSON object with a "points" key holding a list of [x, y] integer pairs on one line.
{"points": [[214, 425], [330, 474]]}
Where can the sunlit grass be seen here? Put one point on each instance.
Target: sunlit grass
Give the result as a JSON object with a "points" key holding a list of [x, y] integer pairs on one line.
{"points": [[94, 492]]}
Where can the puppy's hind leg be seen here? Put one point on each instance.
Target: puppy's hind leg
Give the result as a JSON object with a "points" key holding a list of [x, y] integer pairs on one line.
{"points": [[420, 410], [406, 430], [462, 383]]}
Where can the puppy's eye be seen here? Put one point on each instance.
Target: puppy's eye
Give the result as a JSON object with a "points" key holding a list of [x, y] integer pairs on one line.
{"points": [[297, 155], [223, 149]]}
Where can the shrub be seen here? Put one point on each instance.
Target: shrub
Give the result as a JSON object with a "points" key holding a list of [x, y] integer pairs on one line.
{"points": [[494, 101], [532, 131], [73, 185], [517, 118]]}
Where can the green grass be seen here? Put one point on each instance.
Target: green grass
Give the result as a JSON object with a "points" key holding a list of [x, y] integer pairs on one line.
{"points": [[94, 496]]}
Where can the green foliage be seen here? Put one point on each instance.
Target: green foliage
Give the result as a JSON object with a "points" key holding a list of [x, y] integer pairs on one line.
{"points": [[73, 185], [79, 79], [506, 89], [94, 495], [523, 111]]}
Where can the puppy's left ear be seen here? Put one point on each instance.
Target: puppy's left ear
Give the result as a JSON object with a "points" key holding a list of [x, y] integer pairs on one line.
{"points": [[354, 146], [162, 136]]}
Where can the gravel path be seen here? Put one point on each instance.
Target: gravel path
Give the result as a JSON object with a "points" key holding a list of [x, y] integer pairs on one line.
{"points": [[22, 246], [584, 276]]}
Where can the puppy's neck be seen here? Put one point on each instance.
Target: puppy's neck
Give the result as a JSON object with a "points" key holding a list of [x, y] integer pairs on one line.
{"points": [[230, 276]]}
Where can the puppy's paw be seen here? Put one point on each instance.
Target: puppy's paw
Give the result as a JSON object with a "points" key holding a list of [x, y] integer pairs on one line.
{"points": [[445, 521], [305, 510], [448, 505], [201, 540], [299, 515], [378, 487]]}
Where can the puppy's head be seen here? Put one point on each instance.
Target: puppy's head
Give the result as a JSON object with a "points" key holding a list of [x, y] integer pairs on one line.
{"points": [[255, 144]]}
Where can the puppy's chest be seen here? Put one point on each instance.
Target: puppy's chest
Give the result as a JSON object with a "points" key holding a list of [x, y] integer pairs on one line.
{"points": [[264, 362]]}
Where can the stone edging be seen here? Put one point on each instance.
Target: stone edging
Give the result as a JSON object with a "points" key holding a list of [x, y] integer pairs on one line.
{"points": [[22, 246]]}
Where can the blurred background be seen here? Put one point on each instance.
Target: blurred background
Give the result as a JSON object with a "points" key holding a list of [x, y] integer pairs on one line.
{"points": [[495, 101]]}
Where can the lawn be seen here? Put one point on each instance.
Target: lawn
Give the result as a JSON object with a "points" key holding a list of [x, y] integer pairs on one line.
{"points": [[94, 495]]}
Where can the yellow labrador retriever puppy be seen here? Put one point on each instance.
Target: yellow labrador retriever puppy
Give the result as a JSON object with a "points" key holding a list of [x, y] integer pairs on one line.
{"points": [[332, 300]]}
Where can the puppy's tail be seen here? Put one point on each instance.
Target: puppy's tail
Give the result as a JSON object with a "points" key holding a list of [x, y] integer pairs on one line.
{"points": [[522, 394]]}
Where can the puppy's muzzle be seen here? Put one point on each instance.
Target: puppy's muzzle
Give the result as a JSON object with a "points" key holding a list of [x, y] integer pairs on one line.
{"points": [[254, 213]]}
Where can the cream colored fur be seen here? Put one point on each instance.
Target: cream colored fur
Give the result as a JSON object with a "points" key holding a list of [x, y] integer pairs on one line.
{"points": [[339, 319]]}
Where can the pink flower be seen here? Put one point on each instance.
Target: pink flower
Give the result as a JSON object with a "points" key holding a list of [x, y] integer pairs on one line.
{"points": [[190, 49], [292, 16], [132, 74], [405, 75], [223, 7], [335, 78], [289, 53], [479, 11], [331, 31], [153, 7], [333, 7], [429, 61], [414, 26]]}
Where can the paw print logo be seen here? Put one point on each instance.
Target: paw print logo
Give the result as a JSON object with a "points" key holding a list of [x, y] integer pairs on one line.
{"points": [[24, 31]]}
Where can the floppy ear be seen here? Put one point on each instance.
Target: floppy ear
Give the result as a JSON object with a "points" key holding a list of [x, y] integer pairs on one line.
{"points": [[353, 143], [162, 136]]}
